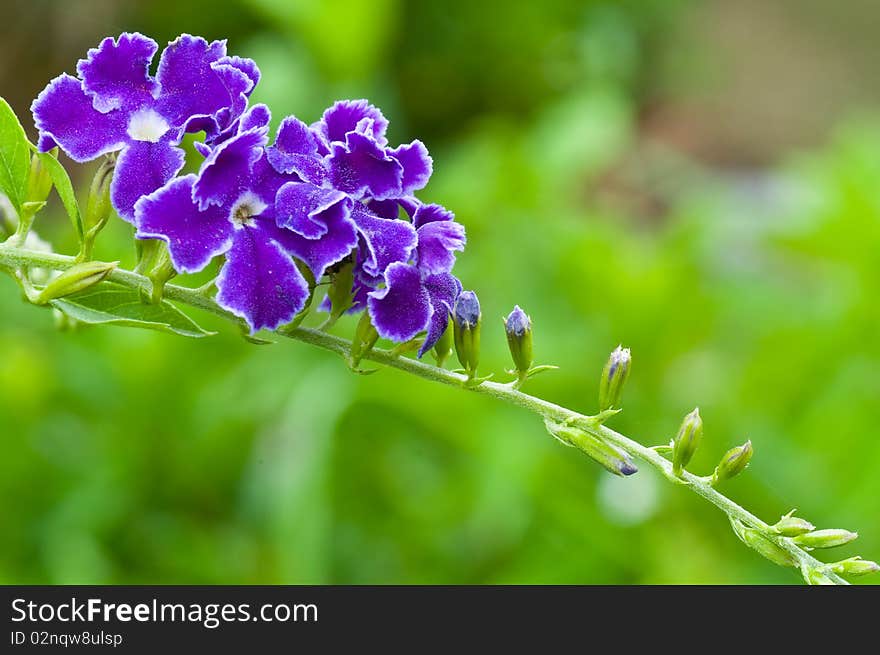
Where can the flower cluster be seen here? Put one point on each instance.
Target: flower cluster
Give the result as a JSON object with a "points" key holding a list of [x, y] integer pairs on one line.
{"points": [[318, 197]]}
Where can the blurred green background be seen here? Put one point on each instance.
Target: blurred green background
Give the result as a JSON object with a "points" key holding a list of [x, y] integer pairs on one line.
{"points": [[697, 180]]}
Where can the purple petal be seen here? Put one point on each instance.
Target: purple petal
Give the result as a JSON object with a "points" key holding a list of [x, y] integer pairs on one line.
{"points": [[442, 290], [300, 207], [438, 242], [430, 213], [296, 151], [189, 86], [259, 282], [386, 240], [117, 73], [384, 208], [194, 237], [64, 115], [402, 309], [247, 66], [343, 117], [257, 117], [142, 168], [227, 171], [417, 165], [238, 88], [361, 165], [333, 246]]}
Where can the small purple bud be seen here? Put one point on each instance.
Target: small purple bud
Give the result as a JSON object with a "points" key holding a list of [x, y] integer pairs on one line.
{"points": [[466, 321], [518, 327], [614, 376]]}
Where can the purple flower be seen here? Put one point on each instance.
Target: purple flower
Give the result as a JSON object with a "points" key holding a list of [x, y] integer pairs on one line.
{"points": [[345, 155], [419, 295], [116, 105], [229, 209]]}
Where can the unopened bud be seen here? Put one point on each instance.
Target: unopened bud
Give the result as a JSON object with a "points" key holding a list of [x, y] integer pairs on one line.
{"points": [[39, 182], [611, 458], [443, 346], [817, 577], [99, 207], [854, 566], [365, 337], [614, 376], [466, 320], [792, 526], [733, 463], [518, 327], [77, 278], [687, 440], [762, 545], [341, 291], [825, 538]]}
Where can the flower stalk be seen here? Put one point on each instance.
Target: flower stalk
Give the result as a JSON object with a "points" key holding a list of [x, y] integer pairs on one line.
{"points": [[755, 533]]}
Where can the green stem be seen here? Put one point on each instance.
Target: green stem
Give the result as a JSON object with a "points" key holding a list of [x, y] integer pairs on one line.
{"points": [[13, 257]]}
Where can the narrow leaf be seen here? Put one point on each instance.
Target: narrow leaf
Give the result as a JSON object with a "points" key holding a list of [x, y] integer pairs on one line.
{"points": [[14, 156], [112, 304], [64, 189]]}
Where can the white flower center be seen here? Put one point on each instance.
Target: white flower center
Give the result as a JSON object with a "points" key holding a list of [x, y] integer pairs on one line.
{"points": [[246, 208], [147, 125]]}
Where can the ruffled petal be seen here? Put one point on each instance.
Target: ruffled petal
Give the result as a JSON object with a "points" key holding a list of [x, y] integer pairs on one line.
{"points": [[424, 214], [438, 242], [116, 74], [194, 237], [417, 165], [301, 207], [226, 173], [403, 308], [259, 281], [64, 115], [142, 168], [362, 166], [343, 117], [442, 290], [385, 240], [296, 151], [190, 87], [337, 242]]}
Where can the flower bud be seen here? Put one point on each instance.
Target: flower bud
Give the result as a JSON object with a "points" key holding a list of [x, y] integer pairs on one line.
{"points": [[762, 545], [466, 320], [612, 459], [365, 337], [518, 327], [733, 462], [614, 376], [98, 206], [825, 538], [854, 566], [687, 440], [817, 577], [341, 288], [77, 278], [792, 526], [443, 346], [39, 182]]}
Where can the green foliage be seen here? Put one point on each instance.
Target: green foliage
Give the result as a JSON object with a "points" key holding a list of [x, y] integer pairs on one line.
{"points": [[64, 188], [110, 304], [14, 157]]}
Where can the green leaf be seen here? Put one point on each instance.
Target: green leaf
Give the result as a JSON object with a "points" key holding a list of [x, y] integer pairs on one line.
{"points": [[64, 188], [111, 304], [14, 156]]}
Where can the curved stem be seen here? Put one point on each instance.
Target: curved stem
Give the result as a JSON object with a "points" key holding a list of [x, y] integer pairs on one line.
{"points": [[13, 257]]}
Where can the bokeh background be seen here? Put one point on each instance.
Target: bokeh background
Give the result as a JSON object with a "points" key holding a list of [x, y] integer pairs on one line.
{"points": [[697, 180]]}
